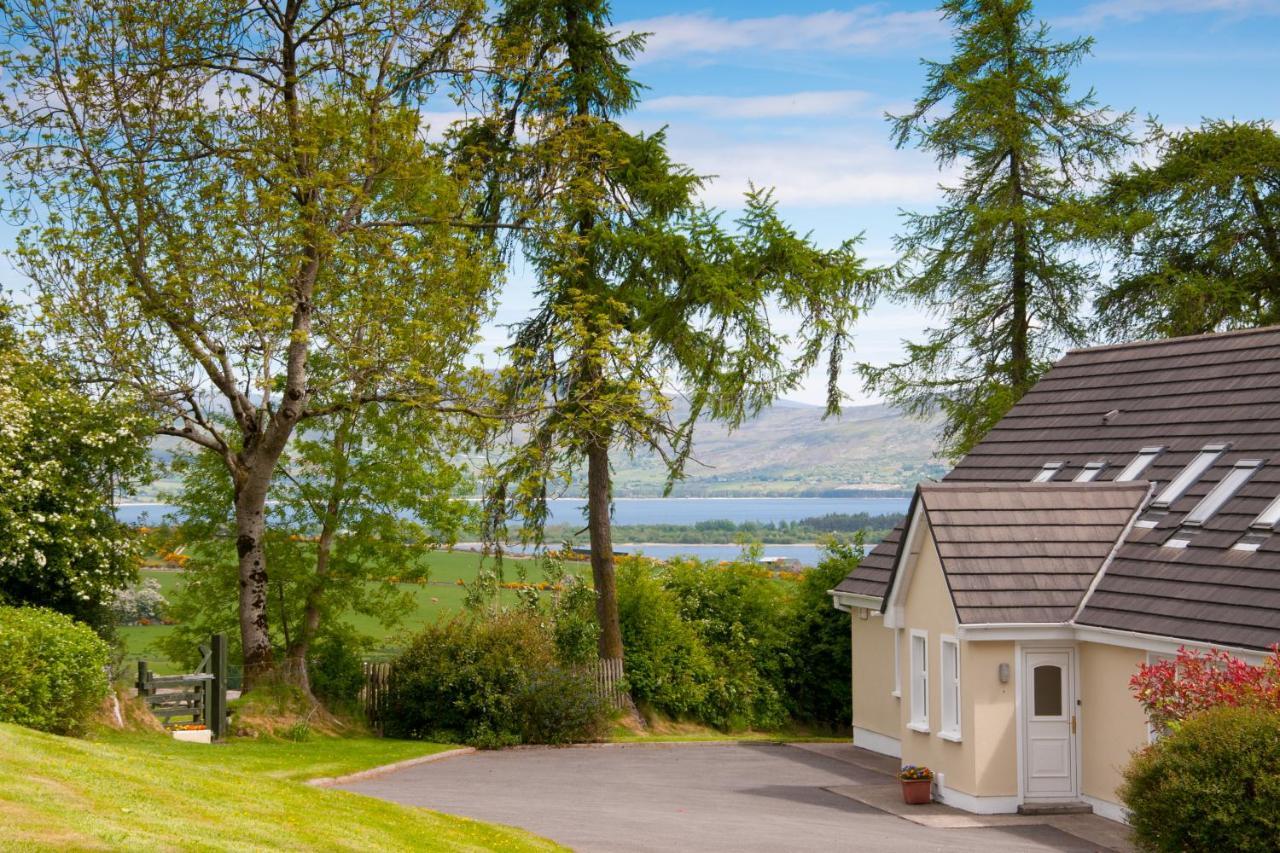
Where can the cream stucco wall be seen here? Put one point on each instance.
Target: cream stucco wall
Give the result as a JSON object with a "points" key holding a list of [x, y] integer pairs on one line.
{"points": [[1112, 723], [991, 724], [875, 708]]}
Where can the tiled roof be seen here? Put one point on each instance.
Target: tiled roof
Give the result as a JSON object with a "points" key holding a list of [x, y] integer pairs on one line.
{"points": [[1025, 552], [1105, 404]]}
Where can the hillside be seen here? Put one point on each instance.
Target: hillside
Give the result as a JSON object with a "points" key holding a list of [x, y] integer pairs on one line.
{"points": [[790, 450]]}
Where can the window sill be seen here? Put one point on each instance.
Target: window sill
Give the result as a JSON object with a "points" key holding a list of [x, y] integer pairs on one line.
{"points": [[896, 694], [921, 727], [954, 737]]}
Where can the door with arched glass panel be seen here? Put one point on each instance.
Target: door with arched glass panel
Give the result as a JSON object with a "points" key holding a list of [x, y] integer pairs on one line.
{"points": [[1048, 730]]}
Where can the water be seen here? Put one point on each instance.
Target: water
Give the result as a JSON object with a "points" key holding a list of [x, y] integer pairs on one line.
{"points": [[670, 511]]}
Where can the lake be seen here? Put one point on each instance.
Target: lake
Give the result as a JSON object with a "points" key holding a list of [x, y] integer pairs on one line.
{"points": [[670, 511]]}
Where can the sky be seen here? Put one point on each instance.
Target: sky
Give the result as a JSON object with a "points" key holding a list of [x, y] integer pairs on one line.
{"points": [[792, 96]]}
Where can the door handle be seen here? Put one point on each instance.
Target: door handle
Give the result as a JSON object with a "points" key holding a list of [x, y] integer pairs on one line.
{"points": [[1073, 723]]}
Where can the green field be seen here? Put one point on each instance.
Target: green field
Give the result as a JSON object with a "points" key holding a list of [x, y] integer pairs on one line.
{"points": [[147, 792], [442, 596]]}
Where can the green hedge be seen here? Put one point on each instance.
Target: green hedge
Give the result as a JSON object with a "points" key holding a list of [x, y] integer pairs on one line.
{"points": [[52, 670], [491, 680], [1212, 784]]}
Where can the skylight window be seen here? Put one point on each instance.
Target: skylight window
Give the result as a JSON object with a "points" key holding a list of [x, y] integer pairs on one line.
{"points": [[1047, 471], [1194, 471], [1269, 517], [1139, 465], [1221, 493], [1090, 472]]}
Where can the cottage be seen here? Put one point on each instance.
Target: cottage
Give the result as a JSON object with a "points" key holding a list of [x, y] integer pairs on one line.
{"points": [[1126, 506]]}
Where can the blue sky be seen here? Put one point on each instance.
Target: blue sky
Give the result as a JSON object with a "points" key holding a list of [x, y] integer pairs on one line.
{"points": [[793, 95]]}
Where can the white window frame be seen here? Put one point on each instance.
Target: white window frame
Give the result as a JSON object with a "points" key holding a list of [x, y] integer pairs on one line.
{"points": [[1140, 463], [949, 689], [1269, 517], [1090, 472], [1187, 477], [919, 655], [897, 663], [1047, 471], [1223, 491]]}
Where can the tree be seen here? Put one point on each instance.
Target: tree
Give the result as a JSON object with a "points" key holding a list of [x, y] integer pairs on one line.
{"points": [[356, 508], [63, 457], [641, 290], [998, 259], [1172, 691], [233, 211], [1196, 235]]}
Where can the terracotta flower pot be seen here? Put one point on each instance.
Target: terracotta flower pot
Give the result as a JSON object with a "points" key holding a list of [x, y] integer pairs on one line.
{"points": [[917, 792]]}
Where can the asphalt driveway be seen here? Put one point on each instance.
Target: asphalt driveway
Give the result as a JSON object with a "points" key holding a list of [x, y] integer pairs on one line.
{"points": [[704, 797]]}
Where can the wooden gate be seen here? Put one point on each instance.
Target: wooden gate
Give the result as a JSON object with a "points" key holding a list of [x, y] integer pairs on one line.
{"points": [[199, 697]]}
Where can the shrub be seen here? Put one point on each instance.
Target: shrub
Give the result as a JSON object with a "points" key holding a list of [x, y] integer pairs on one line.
{"points": [[818, 677], [560, 705], [336, 668], [143, 601], [485, 681], [1212, 783], [1173, 690], [52, 670], [667, 666]]}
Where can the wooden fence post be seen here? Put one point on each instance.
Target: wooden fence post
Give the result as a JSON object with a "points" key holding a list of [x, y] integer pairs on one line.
{"points": [[144, 679], [217, 704]]}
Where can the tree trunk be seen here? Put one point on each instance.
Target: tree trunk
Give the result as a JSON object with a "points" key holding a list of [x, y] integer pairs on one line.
{"points": [[599, 526], [1020, 350], [251, 501]]}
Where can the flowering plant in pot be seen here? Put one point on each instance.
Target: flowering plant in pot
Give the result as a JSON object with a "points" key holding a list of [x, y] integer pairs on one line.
{"points": [[917, 784]]}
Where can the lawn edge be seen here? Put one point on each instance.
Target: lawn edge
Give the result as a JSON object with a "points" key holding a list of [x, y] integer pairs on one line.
{"points": [[330, 781]]}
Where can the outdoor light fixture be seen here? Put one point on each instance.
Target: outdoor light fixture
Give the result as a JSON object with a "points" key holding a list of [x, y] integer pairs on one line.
{"points": [[1004, 673]]}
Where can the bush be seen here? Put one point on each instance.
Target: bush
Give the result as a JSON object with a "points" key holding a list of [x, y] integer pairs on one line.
{"points": [[52, 670], [336, 668], [667, 666], [818, 677], [140, 602], [1212, 783], [485, 681], [560, 705]]}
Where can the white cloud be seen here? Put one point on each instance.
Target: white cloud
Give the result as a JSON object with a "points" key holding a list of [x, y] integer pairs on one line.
{"points": [[1136, 10], [866, 28], [822, 173], [840, 103]]}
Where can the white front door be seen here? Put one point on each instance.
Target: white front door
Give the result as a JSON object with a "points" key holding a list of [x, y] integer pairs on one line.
{"points": [[1048, 729]]}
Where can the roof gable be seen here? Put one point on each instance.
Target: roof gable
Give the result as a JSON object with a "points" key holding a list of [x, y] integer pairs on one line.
{"points": [[1104, 405]]}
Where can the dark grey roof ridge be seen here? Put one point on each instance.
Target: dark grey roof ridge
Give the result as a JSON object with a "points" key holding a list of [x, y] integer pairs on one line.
{"points": [[1232, 333]]}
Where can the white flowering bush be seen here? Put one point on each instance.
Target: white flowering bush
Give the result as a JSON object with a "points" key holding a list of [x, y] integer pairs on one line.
{"points": [[139, 603], [62, 455]]}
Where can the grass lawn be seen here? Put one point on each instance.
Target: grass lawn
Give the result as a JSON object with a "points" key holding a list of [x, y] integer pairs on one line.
{"points": [[279, 759], [441, 597], [148, 792]]}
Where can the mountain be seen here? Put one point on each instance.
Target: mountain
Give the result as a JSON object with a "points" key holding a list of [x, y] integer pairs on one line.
{"points": [[790, 450]]}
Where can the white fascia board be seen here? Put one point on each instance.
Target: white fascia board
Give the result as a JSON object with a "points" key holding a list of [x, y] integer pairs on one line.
{"points": [[1157, 643], [893, 611], [849, 601], [1018, 631], [1089, 634]]}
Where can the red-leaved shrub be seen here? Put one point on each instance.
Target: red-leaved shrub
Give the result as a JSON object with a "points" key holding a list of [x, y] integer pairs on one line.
{"points": [[1173, 690]]}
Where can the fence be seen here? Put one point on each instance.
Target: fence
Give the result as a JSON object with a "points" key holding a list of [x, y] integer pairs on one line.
{"points": [[200, 696], [379, 682], [376, 693]]}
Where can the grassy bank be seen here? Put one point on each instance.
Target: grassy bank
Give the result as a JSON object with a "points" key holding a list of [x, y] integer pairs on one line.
{"points": [[148, 792]]}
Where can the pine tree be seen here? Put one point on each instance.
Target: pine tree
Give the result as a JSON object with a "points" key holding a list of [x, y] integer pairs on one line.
{"points": [[1196, 235], [641, 291], [997, 261]]}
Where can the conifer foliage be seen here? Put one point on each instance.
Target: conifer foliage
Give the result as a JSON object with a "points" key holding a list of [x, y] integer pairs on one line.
{"points": [[998, 263]]}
